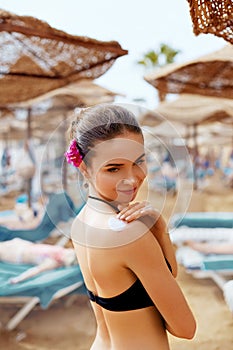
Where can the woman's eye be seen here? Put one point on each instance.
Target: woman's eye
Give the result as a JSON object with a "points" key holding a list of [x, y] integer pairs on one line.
{"points": [[113, 170]]}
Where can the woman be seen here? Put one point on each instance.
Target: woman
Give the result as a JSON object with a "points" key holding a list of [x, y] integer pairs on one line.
{"points": [[212, 247], [123, 248], [44, 256]]}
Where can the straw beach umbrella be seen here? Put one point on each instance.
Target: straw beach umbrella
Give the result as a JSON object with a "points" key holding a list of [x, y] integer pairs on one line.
{"points": [[51, 111], [209, 75], [83, 93], [196, 112], [36, 58], [194, 109], [212, 16], [47, 113]]}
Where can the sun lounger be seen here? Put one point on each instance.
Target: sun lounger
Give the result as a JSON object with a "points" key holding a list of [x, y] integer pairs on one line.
{"points": [[194, 260], [60, 208], [42, 289], [48, 285], [228, 294], [203, 219], [218, 267], [183, 233], [210, 227]]}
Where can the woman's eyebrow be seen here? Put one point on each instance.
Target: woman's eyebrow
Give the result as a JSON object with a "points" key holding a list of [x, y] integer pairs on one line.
{"points": [[121, 164], [113, 164], [143, 155]]}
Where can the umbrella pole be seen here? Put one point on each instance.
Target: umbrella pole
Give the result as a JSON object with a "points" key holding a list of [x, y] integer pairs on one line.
{"points": [[64, 168], [5, 138], [162, 96], [29, 134], [196, 154]]}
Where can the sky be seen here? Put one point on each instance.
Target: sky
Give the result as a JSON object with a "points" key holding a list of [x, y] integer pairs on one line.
{"points": [[137, 25]]}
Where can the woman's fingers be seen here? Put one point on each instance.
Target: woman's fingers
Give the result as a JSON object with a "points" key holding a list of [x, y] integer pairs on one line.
{"points": [[136, 211], [134, 215], [127, 207], [130, 209]]}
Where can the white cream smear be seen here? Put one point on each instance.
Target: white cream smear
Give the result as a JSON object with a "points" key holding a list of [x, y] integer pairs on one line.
{"points": [[116, 224]]}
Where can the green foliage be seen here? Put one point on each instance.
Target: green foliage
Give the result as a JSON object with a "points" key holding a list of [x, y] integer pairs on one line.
{"points": [[153, 57], [164, 55]]}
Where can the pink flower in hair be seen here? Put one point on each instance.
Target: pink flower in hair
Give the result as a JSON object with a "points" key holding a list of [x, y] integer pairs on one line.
{"points": [[73, 155]]}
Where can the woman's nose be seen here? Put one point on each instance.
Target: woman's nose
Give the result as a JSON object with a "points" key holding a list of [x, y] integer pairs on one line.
{"points": [[129, 181]]}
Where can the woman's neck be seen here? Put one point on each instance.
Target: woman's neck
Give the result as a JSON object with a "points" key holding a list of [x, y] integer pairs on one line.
{"points": [[100, 203]]}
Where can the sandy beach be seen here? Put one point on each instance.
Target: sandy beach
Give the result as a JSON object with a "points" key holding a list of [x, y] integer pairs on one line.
{"points": [[69, 323]]}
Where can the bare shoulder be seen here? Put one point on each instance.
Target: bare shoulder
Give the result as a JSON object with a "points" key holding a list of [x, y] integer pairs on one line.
{"points": [[135, 228], [124, 233], [140, 234], [106, 232]]}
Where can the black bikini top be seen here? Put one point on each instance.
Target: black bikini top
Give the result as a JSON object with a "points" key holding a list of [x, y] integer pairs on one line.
{"points": [[135, 297]]}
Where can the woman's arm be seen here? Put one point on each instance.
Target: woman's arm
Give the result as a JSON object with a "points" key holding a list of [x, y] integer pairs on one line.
{"points": [[145, 259], [160, 232], [47, 264], [155, 222]]}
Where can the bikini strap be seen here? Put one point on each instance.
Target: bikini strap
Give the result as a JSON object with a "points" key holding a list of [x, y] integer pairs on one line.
{"points": [[104, 201]]}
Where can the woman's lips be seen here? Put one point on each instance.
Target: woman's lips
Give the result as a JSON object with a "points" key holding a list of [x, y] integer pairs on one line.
{"points": [[128, 192]]}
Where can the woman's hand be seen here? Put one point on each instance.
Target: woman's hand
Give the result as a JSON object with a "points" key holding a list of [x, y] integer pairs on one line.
{"points": [[136, 210], [146, 213]]}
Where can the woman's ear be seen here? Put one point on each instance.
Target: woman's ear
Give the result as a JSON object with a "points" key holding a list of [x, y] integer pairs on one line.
{"points": [[83, 169]]}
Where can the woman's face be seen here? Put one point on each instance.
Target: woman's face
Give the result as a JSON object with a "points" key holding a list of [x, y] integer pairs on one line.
{"points": [[118, 167]]}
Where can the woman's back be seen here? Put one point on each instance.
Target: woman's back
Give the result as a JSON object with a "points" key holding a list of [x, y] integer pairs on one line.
{"points": [[107, 276]]}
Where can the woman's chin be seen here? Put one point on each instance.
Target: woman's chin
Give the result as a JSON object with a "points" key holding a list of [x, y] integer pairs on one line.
{"points": [[126, 198]]}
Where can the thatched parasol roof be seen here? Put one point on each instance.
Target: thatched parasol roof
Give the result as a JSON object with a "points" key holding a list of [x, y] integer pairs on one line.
{"points": [[210, 75], [83, 93], [194, 109], [36, 58], [168, 130], [213, 134], [212, 16], [48, 111]]}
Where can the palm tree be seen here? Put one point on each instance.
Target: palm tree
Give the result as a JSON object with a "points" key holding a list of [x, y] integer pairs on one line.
{"points": [[164, 55]]}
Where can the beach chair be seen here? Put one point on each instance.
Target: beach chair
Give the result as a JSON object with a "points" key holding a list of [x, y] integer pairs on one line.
{"points": [[228, 294], [60, 208], [207, 227], [41, 289], [203, 219], [48, 285], [199, 227], [218, 267], [182, 234]]}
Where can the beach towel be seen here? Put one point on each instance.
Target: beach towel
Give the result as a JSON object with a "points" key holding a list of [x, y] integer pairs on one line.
{"points": [[59, 208], [43, 286], [203, 219], [194, 260], [183, 233]]}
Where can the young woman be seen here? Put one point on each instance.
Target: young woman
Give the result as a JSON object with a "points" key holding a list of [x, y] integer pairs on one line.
{"points": [[44, 256], [122, 246]]}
